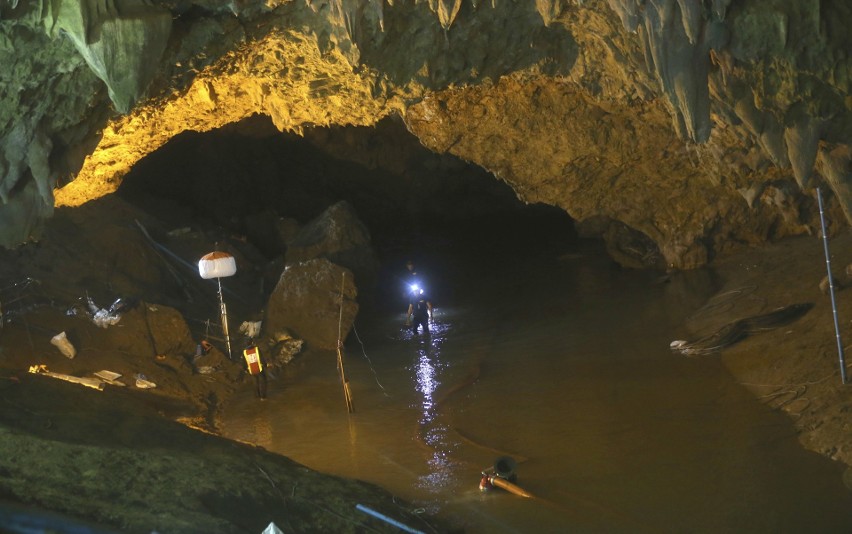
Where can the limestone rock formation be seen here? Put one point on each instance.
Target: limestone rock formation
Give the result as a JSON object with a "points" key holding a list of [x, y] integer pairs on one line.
{"points": [[699, 124], [307, 302], [338, 236]]}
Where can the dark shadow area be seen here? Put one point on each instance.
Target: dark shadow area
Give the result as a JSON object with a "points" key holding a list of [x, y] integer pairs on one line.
{"points": [[451, 217]]}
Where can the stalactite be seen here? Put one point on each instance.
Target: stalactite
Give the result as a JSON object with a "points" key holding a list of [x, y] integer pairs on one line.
{"points": [[378, 11], [123, 47], [720, 7], [802, 140], [38, 156], [835, 165], [677, 38], [772, 140], [690, 14], [12, 163], [751, 117], [447, 12], [627, 11]]}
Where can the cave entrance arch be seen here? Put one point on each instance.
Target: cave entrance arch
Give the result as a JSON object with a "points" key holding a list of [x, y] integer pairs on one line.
{"points": [[257, 184]]}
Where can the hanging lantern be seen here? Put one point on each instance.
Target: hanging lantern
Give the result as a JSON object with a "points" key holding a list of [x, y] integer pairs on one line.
{"points": [[217, 265]]}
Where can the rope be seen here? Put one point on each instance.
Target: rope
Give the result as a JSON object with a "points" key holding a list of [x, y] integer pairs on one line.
{"points": [[369, 362]]}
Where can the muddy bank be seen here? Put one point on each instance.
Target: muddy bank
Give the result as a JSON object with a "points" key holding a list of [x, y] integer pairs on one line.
{"points": [[794, 368], [140, 454], [114, 458]]}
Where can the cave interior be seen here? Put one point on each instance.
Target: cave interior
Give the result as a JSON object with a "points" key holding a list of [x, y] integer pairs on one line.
{"points": [[241, 181]]}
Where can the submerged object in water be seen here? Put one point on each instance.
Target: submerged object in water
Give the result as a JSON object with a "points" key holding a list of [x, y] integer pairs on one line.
{"points": [[502, 475], [738, 330]]}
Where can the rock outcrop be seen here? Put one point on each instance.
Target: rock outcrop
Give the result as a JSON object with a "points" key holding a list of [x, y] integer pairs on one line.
{"points": [[315, 300], [338, 236], [699, 124]]}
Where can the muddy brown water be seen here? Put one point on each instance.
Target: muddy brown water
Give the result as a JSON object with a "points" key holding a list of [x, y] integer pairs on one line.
{"points": [[565, 367]]}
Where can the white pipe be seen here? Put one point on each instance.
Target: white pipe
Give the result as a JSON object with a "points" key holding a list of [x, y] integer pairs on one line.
{"points": [[831, 289]]}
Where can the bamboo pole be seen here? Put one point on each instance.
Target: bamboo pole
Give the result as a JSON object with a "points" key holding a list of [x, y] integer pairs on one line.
{"points": [[347, 393]]}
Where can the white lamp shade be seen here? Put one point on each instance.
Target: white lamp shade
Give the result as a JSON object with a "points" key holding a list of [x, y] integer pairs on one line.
{"points": [[217, 265]]}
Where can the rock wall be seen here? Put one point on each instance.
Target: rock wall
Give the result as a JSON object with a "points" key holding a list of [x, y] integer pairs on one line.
{"points": [[700, 124]]}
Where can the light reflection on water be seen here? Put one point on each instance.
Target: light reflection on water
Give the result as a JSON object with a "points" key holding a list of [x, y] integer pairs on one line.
{"points": [[433, 433], [566, 368]]}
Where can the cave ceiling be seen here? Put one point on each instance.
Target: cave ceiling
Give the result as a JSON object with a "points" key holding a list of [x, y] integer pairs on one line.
{"points": [[702, 125]]}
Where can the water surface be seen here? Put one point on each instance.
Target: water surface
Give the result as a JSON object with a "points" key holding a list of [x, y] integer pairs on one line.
{"points": [[560, 361]]}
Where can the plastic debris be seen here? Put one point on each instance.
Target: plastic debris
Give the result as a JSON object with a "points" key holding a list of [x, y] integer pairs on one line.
{"points": [[142, 382], [101, 316], [93, 383], [110, 378], [272, 529], [60, 340], [250, 328], [105, 317]]}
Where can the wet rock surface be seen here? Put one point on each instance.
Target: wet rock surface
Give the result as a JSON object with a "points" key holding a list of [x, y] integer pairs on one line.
{"points": [[113, 458], [139, 453]]}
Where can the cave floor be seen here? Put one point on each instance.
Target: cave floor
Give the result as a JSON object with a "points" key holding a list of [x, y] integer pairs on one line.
{"points": [[143, 460], [133, 459], [795, 368]]}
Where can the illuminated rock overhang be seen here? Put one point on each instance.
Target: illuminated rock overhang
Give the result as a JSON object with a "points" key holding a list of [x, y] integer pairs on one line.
{"points": [[701, 125]]}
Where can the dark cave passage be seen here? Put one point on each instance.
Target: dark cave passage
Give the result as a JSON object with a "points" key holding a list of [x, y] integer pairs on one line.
{"points": [[251, 181]]}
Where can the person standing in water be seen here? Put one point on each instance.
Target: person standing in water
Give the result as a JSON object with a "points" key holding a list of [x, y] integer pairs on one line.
{"points": [[419, 311], [415, 287]]}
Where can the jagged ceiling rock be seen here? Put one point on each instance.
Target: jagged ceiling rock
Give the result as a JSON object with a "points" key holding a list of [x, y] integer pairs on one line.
{"points": [[697, 123]]}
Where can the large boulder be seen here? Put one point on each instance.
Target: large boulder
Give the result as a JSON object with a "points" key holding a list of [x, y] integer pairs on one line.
{"points": [[339, 236], [307, 302]]}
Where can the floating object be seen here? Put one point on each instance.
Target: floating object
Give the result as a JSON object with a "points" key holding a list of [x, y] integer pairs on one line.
{"points": [[60, 340], [272, 528], [218, 265]]}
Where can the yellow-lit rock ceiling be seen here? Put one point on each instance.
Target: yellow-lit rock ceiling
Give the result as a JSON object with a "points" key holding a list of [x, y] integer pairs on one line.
{"points": [[699, 124]]}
